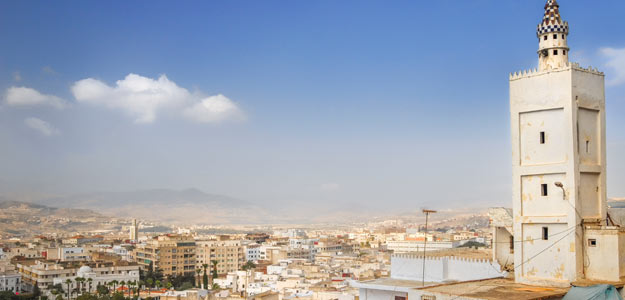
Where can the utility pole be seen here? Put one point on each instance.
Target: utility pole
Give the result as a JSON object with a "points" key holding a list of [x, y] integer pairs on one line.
{"points": [[427, 213]]}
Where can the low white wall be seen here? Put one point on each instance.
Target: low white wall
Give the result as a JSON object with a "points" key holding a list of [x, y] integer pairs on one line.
{"points": [[440, 269]]}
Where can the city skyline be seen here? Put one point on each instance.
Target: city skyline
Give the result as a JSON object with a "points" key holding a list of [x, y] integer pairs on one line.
{"points": [[282, 102]]}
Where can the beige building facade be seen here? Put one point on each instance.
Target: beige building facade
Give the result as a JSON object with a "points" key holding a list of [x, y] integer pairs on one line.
{"points": [[173, 254], [229, 254]]}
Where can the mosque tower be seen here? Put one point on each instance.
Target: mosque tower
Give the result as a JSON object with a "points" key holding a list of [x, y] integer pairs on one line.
{"points": [[562, 233]]}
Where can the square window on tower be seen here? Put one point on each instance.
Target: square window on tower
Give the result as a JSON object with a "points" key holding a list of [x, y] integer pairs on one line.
{"points": [[555, 52], [545, 233], [544, 190], [542, 137], [555, 36], [545, 38]]}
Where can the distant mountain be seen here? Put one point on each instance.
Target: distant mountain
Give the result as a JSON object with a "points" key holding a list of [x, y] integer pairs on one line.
{"points": [[168, 206], [27, 219]]}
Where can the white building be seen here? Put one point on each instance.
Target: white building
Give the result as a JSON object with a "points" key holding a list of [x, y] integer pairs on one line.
{"points": [[559, 167], [407, 275], [10, 280], [100, 276]]}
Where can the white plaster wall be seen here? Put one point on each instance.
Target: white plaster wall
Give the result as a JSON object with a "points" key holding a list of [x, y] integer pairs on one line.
{"points": [[589, 191], [440, 269], [552, 123], [544, 261], [501, 246], [371, 294], [601, 266], [535, 204], [411, 268]]}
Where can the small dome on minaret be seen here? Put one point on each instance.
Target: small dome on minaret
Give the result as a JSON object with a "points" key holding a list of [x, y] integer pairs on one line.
{"points": [[552, 35]]}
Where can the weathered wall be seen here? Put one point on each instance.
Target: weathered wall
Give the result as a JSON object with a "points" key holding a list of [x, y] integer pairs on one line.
{"points": [[558, 136]]}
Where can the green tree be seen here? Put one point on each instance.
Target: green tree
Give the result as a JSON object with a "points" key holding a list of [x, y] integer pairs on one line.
{"points": [[122, 284], [215, 274], [89, 282], [69, 286], [118, 296], [215, 287], [205, 276], [102, 289], [197, 277], [186, 286]]}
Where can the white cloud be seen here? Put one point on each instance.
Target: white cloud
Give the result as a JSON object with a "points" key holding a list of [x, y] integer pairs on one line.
{"points": [[213, 109], [145, 98], [329, 187], [42, 126], [616, 62], [23, 96]]}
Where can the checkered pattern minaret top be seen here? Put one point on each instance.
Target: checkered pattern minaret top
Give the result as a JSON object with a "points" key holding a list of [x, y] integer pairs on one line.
{"points": [[552, 22]]}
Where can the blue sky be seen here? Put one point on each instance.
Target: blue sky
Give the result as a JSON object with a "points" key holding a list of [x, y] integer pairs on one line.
{"points": [[393, 105]]}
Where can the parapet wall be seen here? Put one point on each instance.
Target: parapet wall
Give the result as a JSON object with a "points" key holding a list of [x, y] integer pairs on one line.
{"points": [[441, 269], [569, 65]]}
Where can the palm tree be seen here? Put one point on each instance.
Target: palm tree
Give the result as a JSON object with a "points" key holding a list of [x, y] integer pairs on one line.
{"points": [[197, 277], [122, 283], [149, 283], [69, 283], [115, 283], [205, 276], [158, 284], [249, 265], [89, 281], [214, 274]]}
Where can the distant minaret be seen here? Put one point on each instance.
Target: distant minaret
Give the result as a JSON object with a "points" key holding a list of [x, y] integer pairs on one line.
{"points": [[552, 32], [134, 230]]}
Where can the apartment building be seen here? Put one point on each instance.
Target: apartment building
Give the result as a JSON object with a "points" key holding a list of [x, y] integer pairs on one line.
{"points": [[44, 273], [172, 253], [229, 254]]}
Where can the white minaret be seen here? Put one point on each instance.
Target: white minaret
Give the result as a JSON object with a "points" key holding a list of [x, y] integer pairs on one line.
{"points": [[553, 52], [558, 159]]}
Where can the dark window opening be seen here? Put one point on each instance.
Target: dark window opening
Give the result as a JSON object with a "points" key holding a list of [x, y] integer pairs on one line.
{"points": [[555, 52], [555, 36], [511, 244], [545, 38], [563, 52], [587, 146], [592, 243], [545, 233], [563, 36], [544, 189], [542, 137]]}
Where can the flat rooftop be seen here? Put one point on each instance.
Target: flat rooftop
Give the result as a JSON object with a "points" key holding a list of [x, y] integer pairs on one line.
{"points": [[495, 289]]}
